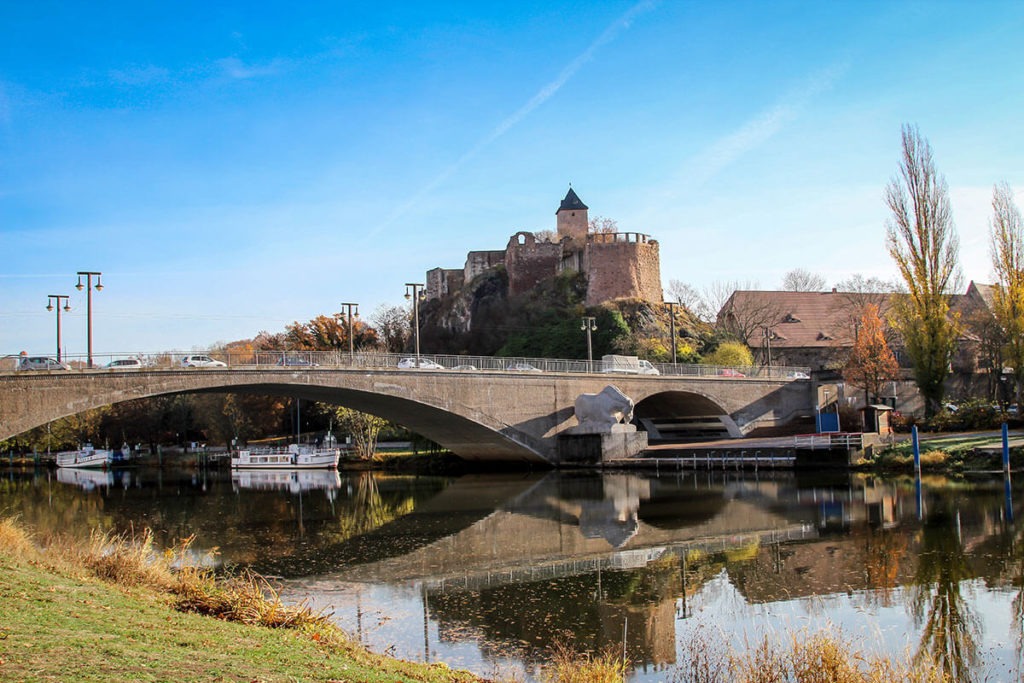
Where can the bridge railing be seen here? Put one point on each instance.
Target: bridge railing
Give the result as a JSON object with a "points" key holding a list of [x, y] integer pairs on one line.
{"points": [[298, 360]]}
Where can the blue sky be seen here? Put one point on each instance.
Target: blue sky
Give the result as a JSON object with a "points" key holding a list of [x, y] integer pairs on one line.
{"points": [[232, 167]]}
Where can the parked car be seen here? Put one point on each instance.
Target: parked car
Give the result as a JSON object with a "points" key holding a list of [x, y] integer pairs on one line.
{"points": [[522, 367], [296, 361], [39, 363], [201, 361], [464, 367], [124, 364], [424, 364], [796, 374], [729, 372]]}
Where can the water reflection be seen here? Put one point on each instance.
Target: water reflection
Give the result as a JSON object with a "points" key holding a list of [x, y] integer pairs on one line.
{"points": [[486, 571]]}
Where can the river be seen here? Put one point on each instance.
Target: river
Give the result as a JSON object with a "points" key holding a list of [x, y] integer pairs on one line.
{"points": [[487, 571]]}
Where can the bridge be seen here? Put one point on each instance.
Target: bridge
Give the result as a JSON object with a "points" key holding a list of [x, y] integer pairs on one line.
{"points": [[476, 407]]}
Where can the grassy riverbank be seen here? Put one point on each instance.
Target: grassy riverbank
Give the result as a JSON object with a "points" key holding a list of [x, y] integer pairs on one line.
{"points": [[111, 611]]}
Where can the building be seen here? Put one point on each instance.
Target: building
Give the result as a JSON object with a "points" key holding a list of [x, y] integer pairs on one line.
{"points": [[617, 265]]}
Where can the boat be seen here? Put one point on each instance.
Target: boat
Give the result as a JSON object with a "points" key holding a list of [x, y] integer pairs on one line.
{"points": [[86, 456], [294, 457]]}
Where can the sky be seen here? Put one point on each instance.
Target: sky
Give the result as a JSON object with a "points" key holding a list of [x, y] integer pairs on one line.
{"points": [[233, 167]]}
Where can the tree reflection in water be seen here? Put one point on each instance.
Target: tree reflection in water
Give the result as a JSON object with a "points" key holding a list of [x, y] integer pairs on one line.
{"points": [[950, 631]]}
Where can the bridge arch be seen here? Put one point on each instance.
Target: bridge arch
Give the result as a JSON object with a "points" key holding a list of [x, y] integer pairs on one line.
{"points": [[479, 415], [675, 415]]}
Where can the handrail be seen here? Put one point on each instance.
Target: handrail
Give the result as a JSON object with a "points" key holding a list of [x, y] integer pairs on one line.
{"points": [[339, 359]]}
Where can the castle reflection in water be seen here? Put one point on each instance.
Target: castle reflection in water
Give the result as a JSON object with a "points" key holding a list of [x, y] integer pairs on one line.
{"points": [[487, 571]]}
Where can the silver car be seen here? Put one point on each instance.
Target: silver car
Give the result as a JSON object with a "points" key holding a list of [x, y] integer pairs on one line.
{"points": [[39, 363], [201, 361]]}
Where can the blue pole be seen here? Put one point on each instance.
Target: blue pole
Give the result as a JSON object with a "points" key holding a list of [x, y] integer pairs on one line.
{"points": [[1006, 449], [917, 448], [1008, 493]]}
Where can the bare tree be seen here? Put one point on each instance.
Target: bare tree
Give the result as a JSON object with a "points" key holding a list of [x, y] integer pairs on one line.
{"points": [[1007, 248], [546, 236], [691, 299], [746, 314], [393, 327], [802, 280], [921, 238], [600, 224]]}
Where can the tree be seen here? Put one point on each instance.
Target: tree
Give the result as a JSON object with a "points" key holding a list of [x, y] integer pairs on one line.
{"points": [[600, 224], [393, 327], [730, 353], [364, 429], [871, 363], [691, 299], [802, 280], [745, 315], [1007, 235], [922, 240]]}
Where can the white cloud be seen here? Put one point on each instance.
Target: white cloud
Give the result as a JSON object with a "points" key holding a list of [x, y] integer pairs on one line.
{"points": [[232, 67]]}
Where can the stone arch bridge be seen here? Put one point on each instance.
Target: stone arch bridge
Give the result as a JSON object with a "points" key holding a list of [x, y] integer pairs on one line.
{"points": [[478, 415]]}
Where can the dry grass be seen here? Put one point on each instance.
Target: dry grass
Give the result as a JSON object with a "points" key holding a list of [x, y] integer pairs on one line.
{"points": [[15, 541], [570, 666], [130, 560], [247, 598], [821, 657]]}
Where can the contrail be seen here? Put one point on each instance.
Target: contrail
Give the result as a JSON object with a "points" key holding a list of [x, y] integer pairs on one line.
{"points": [[759, 129], [542, 96]]}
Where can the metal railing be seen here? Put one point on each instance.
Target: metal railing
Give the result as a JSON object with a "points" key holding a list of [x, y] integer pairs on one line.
{"points": [[827, 441], [339, 359]]}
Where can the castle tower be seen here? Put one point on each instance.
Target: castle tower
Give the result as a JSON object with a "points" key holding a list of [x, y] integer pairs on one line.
{"points": [[572, 217]]}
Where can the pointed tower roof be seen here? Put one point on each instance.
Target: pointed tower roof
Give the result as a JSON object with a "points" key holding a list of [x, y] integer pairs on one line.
{"points": [[572, 202]]}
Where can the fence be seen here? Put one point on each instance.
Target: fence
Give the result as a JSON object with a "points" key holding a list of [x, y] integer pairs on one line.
{"points": [[299, 360]]}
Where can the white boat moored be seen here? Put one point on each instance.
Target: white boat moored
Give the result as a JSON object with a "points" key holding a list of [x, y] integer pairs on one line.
{"points": [[86, 456], [295, 457]]}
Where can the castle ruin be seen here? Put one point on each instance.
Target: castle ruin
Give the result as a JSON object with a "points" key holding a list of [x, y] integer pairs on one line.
{"points": [[617, 265]]}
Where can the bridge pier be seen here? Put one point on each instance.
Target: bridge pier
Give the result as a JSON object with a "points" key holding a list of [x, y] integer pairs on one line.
{"points": [[594, 448]]}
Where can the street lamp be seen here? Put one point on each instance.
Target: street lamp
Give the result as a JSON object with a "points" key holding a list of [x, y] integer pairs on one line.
{"points": [[768, 347], [351, 309], [50, 307], [414, 290], [88, 302], [672, 325], [589, 324]]}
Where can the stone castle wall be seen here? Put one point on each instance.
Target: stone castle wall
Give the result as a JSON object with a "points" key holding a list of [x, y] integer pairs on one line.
{"points": [[479, 262], [529, 262], [622, 265], [443, 281]]}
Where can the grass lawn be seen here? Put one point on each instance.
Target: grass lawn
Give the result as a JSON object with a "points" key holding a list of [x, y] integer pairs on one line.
{"points": [[58, 625]]}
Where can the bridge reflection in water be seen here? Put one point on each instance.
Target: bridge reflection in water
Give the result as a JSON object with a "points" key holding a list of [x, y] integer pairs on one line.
{"points": [[623, 561], [487, 571]]}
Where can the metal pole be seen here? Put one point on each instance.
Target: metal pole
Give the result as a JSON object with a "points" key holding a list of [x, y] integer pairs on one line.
{"points": [[351, 339], [415, 288], [589, 324], [49, 306], [88, 299], [672, 326]]}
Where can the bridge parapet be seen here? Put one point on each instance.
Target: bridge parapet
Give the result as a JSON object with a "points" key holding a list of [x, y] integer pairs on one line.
{"points": [[291, 360]]}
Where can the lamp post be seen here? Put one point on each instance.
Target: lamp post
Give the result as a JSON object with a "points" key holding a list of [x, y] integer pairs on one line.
{"points": [[50, 307], [88, 303], [351, 309], [768, 347], [589, 324], [672, 325], [414, 290]]}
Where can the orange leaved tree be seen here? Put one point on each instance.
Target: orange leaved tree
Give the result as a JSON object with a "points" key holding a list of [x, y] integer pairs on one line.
{"points": [[871, 362]]}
